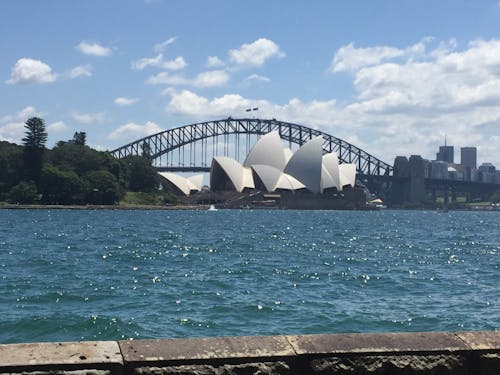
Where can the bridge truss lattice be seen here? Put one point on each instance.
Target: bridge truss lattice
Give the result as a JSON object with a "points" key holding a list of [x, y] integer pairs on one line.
{"points": [[187, 148]]}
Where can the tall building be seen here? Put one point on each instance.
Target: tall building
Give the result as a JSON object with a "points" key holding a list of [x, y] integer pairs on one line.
{"points": [[487, 168], [487, 173], [468, 157], [445, 154]]}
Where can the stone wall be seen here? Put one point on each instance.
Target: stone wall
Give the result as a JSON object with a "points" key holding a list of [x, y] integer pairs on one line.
{"points": [[433, 353]]}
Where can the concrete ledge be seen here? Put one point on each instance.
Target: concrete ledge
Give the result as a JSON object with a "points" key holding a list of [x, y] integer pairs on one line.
{"points": [[68, 356], [373, 343], [391, 353], [201, 350]]}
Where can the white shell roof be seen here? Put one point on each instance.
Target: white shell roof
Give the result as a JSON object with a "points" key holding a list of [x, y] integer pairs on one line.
{"points": [[306, 164], [240, 177], [347, 174], [331, 165], [183, 184], [277, 168], [248, 178], [273, 178], [326, 179], [289, 183], [288, 154], [268, 175], [197, 181], [267, 151]]}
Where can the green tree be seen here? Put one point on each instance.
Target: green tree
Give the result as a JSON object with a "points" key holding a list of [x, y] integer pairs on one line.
{"points": [[140, 174], [79, 138], [61, 187], [146, 151], [24, 193], [34, 146], [80, 159], [495, 198], [11, 167], [102, 188]]}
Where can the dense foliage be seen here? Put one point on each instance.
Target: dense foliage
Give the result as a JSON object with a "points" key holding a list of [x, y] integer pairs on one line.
{"points": [[11, 167], [34, 147], [69, 173], [495, 198]]}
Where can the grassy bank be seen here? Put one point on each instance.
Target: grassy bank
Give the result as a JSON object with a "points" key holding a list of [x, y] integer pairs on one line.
{"points": [[159, 198]]}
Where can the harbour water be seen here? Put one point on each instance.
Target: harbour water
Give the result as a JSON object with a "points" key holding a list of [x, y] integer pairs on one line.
{"points": [[69, 275]]}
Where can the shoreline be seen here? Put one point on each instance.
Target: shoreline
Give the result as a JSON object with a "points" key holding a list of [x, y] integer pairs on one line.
{"points": [[202, 207], [101, 207], [467, 352]]}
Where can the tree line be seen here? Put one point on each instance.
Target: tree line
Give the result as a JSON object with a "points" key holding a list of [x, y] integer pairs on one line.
{"points": [[69, 173]]}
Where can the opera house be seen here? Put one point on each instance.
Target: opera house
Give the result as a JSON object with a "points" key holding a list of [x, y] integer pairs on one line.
{"points": [[274, 176]]}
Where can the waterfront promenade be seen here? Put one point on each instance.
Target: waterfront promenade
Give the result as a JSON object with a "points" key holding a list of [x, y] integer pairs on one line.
{"points": [[394, 353]]}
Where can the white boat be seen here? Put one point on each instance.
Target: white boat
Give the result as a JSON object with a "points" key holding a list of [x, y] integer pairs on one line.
{"points": [[212, 208]]}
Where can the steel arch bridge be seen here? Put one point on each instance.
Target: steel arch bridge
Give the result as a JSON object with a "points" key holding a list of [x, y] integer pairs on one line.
{"points": [[171, 144]]}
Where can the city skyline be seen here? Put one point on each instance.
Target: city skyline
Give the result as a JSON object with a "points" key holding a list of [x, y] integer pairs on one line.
{"points": [[390, 78]]}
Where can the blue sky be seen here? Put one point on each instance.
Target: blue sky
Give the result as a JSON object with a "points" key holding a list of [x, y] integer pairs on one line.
{"points": [[392, 77]]}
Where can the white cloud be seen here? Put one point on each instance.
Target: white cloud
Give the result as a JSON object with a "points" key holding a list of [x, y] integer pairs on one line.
{"points": [[257, 78], [81, 71], [12, 132], [93, 49], [401, 107], [125, 102], [57, 126], [147, 61], [176, 64], [159, 79], [186, 102], [214, 62], [212, 78], [22, 115], [159, 47], [256, 53], [411, 102], [351, 58], [406, 99], [28, 70], [88, 118], [133, 131]]}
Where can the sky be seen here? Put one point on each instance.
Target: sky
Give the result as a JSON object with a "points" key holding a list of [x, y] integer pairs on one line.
{"points": [[391, 77]]}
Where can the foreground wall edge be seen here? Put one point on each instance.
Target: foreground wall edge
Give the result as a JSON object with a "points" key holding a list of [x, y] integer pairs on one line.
{"points": [[472, 352]]}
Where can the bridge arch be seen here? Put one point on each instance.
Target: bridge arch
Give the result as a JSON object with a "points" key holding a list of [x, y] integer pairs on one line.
{"points": [[169, 140]]}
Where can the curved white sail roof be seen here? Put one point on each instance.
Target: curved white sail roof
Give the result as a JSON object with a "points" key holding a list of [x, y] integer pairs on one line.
{"points": [[331, 165], [288, 182], [306, 164], [347, 174], [240, 177], [276, 167], [267, 151], [326, 179], [197, 181], [185, 185], [268, 175], [288, 154]]}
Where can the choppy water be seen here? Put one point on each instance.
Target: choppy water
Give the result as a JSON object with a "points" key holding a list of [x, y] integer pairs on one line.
{"points": [[86, 275]]}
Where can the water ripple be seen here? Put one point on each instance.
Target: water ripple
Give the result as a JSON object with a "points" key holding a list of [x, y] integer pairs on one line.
{"points": [[106, 275]]}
